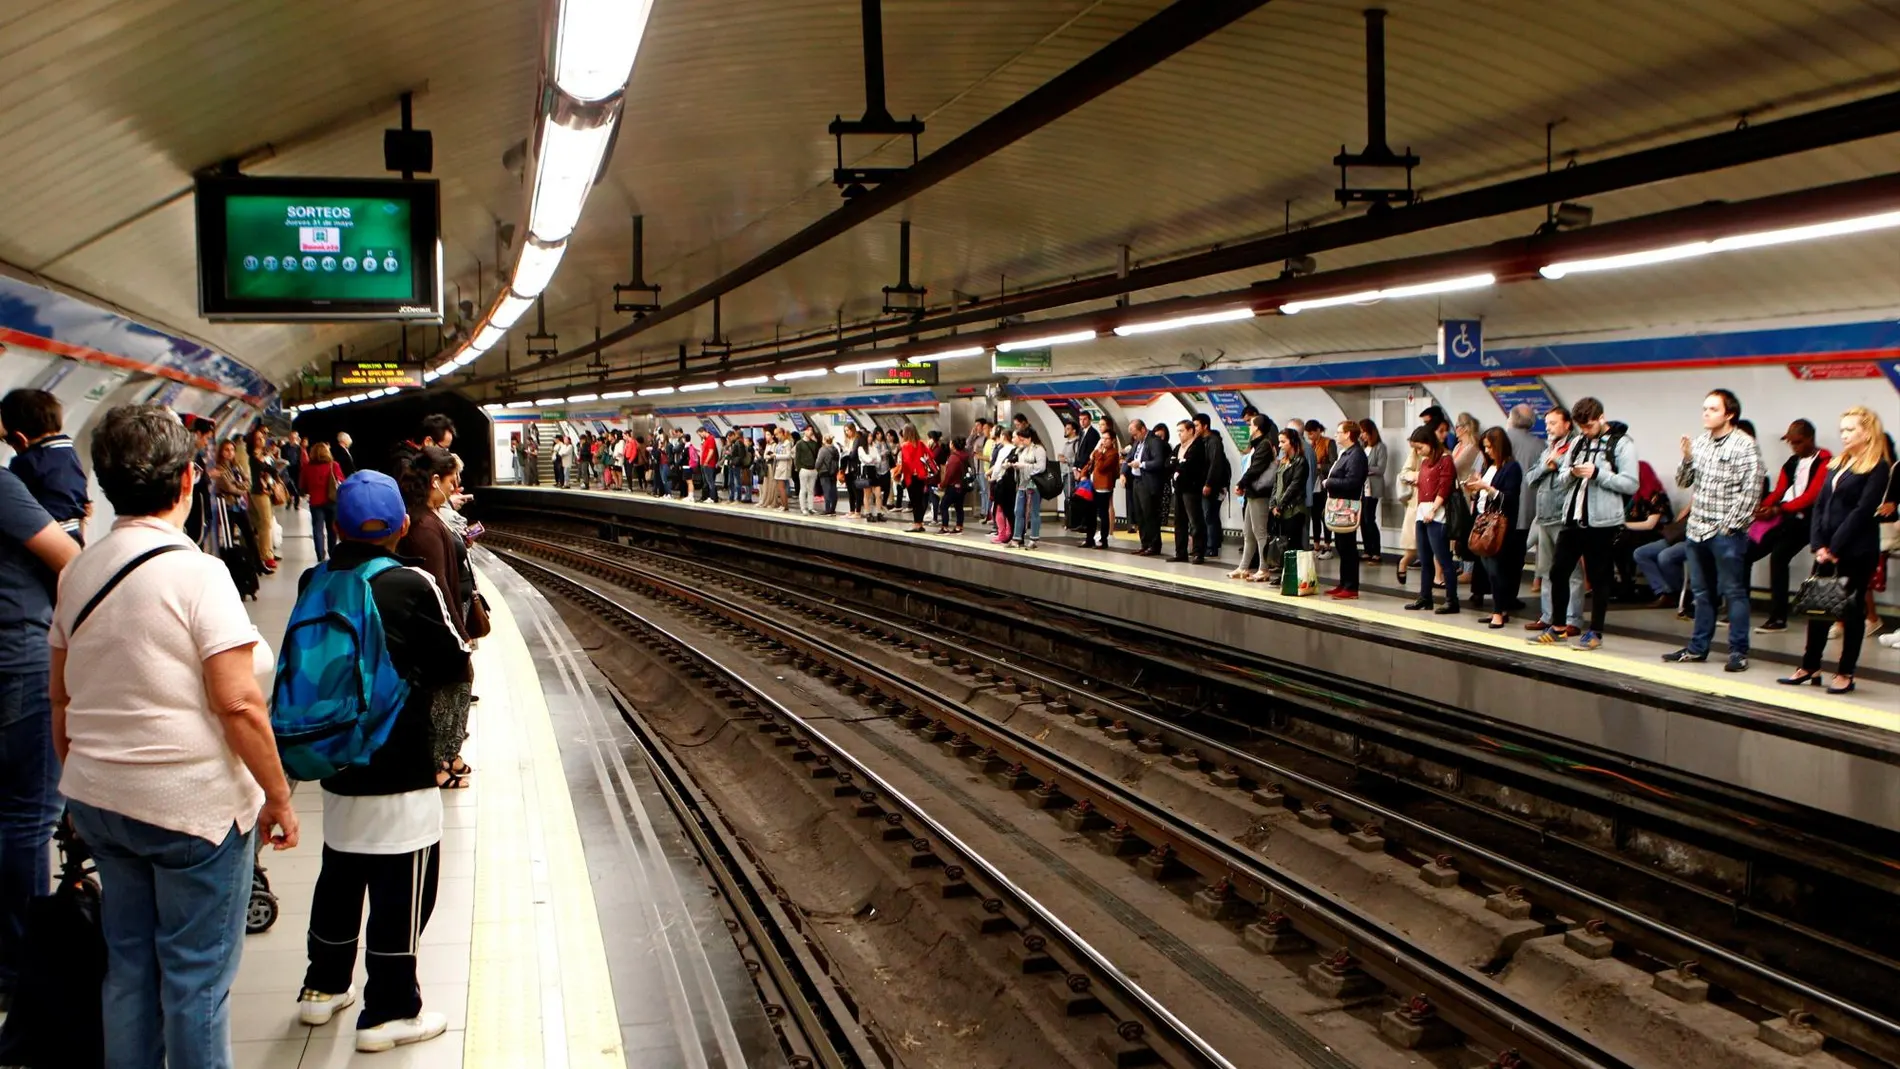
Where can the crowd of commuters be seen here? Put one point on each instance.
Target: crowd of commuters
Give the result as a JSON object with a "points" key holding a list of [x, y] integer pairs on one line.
{"points": [[167, 767], [1574, 508]]}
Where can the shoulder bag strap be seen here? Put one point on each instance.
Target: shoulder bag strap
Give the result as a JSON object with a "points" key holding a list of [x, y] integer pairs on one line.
{"points": [[118, 577]]}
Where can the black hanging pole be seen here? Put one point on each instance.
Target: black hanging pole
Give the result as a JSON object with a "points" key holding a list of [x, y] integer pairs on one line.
{"points": [[639, 250], [874, 109], [903, 254], [1375, 83], [408, 124]]}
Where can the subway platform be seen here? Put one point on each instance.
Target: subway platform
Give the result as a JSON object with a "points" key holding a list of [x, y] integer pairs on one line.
{"points": [[1837, 754], [571, 927]]}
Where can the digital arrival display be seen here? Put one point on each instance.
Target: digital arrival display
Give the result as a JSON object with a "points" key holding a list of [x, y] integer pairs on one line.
{"points": [[317, 248]]}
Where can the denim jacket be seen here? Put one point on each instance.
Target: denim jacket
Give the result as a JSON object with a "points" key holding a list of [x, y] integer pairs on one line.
{"points": [[1607, 493]]}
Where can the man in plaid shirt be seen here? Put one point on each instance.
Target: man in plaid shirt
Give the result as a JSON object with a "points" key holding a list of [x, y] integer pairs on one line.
{"points": [[1723, 467]]}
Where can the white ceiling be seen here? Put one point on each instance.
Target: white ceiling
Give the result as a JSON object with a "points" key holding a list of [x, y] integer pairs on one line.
{"points": [[109, 106]]}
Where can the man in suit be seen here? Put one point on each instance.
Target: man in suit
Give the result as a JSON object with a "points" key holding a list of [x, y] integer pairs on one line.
{"points": [[1147, 482], [1190, 486], [1082, 447], [341, 454], [1220, 475]]}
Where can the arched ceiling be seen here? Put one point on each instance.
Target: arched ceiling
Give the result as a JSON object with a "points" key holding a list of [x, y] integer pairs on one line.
{"points": [[110, 105]]}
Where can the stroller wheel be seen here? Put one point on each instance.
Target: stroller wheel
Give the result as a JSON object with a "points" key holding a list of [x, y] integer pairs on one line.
{"points": [[261, 914]]}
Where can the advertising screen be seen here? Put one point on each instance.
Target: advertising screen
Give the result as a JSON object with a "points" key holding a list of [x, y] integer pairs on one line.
{"points": [[318, 248], [310, 248]]}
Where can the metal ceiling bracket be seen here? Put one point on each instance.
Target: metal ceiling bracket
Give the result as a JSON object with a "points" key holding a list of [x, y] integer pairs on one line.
{"points": [[715, 347], [877, 121], [541, 344], [1378, 155], [904, 298], [638, 296]]}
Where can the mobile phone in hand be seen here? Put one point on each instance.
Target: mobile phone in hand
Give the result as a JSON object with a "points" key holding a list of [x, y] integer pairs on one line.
{"points": [[474, 531]]}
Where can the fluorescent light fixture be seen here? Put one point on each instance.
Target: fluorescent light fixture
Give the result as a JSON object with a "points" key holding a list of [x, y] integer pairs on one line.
{"points": [[546, 401], [467, 358], [488, 337], [808, 373], [578, 398], [1628, 259], [616, 395], [1734, 242], [695, 387], [1859, 225], [1150, 327], [535, 268], [570, 158], [949, 354], [594, 45], [1053, 339], [509, 309], [749, 380], [430, 374], [1448, 285], [521, 404], [868, 365], [655, 391]]}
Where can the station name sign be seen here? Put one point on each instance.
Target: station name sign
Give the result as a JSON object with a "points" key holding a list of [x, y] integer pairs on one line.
{"points": [[902, 375], [376, 374]]}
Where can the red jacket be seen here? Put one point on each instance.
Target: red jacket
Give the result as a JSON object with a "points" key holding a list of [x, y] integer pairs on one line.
{"points": [[316, 481], [1816, 476], [915, 461]]}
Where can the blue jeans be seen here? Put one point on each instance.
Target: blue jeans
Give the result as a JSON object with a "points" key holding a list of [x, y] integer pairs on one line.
{"points": [[1661, 565], [173, 913], [1546, 535], [1028, 511], [29, 806], [320, 517], [981, 476], [1718, 567], [1433, 543]]}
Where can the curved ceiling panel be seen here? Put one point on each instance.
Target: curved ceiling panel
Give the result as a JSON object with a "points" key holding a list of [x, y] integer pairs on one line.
{"points": [[112, 104]]}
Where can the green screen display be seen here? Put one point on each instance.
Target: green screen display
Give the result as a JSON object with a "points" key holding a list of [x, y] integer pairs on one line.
{"points": [[317, 248]]}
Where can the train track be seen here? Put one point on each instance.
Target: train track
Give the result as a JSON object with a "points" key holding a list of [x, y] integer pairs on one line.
{"points": [[1788, 1004], [1432, 998], [1134, 1029]]}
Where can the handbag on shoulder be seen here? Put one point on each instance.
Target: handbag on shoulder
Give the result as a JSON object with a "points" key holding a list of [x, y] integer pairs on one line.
{"points": [[1342, 515], [1488, 531]]}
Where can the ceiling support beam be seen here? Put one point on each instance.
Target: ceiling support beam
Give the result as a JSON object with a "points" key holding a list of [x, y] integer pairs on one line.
{"points": [[1838, 125], [1175, 28], [1511, 260]]}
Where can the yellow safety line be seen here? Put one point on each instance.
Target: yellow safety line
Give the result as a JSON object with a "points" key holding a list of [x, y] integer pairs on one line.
{"points": [[1797, 699], [539, 988]]}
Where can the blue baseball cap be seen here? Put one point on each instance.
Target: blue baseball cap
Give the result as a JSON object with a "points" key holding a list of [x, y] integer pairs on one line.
{"points": [[369, 507]]}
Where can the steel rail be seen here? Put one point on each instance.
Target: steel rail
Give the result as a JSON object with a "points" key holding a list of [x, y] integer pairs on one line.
{"points": [[1846, 1020], [1197, 1051], [1473, 1005]]}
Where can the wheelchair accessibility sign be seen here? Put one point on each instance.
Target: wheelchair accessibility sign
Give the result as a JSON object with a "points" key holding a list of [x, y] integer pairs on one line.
{"points": [[1461, 344]]}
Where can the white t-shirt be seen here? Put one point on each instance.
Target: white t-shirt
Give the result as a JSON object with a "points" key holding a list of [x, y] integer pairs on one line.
{"points": [[145, 742], [382, 823]]}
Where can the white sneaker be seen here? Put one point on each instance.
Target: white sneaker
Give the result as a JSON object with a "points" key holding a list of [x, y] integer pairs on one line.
{"points": [[1892, 641], [391, 1034], [315, 1008]]}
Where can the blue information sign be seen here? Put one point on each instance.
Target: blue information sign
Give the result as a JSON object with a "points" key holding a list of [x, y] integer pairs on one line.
{"points": [[1512, 390], [1461, 344], [1229, 406], [799, 422]]}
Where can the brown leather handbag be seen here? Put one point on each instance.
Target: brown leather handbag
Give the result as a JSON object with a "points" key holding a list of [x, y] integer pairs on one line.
{"points": [[1488, 530]]}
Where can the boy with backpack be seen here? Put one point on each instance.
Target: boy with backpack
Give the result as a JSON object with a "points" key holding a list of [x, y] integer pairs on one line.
{"points": [[369, 643]]}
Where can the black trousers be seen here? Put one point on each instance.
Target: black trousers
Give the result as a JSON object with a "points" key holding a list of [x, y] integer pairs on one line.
{"points": [[1780, 546], [1595, 547], [1348, 548], [1211, 524], [948, 502], [1147, 503], [1369, 524], [919, 490], [1187, 523], [1510, 571], [401, 890], [1095, 516], [1859, 573], [1322, 535]]}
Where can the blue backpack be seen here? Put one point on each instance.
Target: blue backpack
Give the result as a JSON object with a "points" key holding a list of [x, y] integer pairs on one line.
{"points": [[337, 694]]}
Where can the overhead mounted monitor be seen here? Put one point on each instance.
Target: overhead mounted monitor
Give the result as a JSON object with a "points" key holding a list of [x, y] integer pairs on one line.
{"points": [[279, 249]]}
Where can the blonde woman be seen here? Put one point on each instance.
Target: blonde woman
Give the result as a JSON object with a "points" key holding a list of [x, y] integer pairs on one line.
{"points": [[1846, 541]]}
